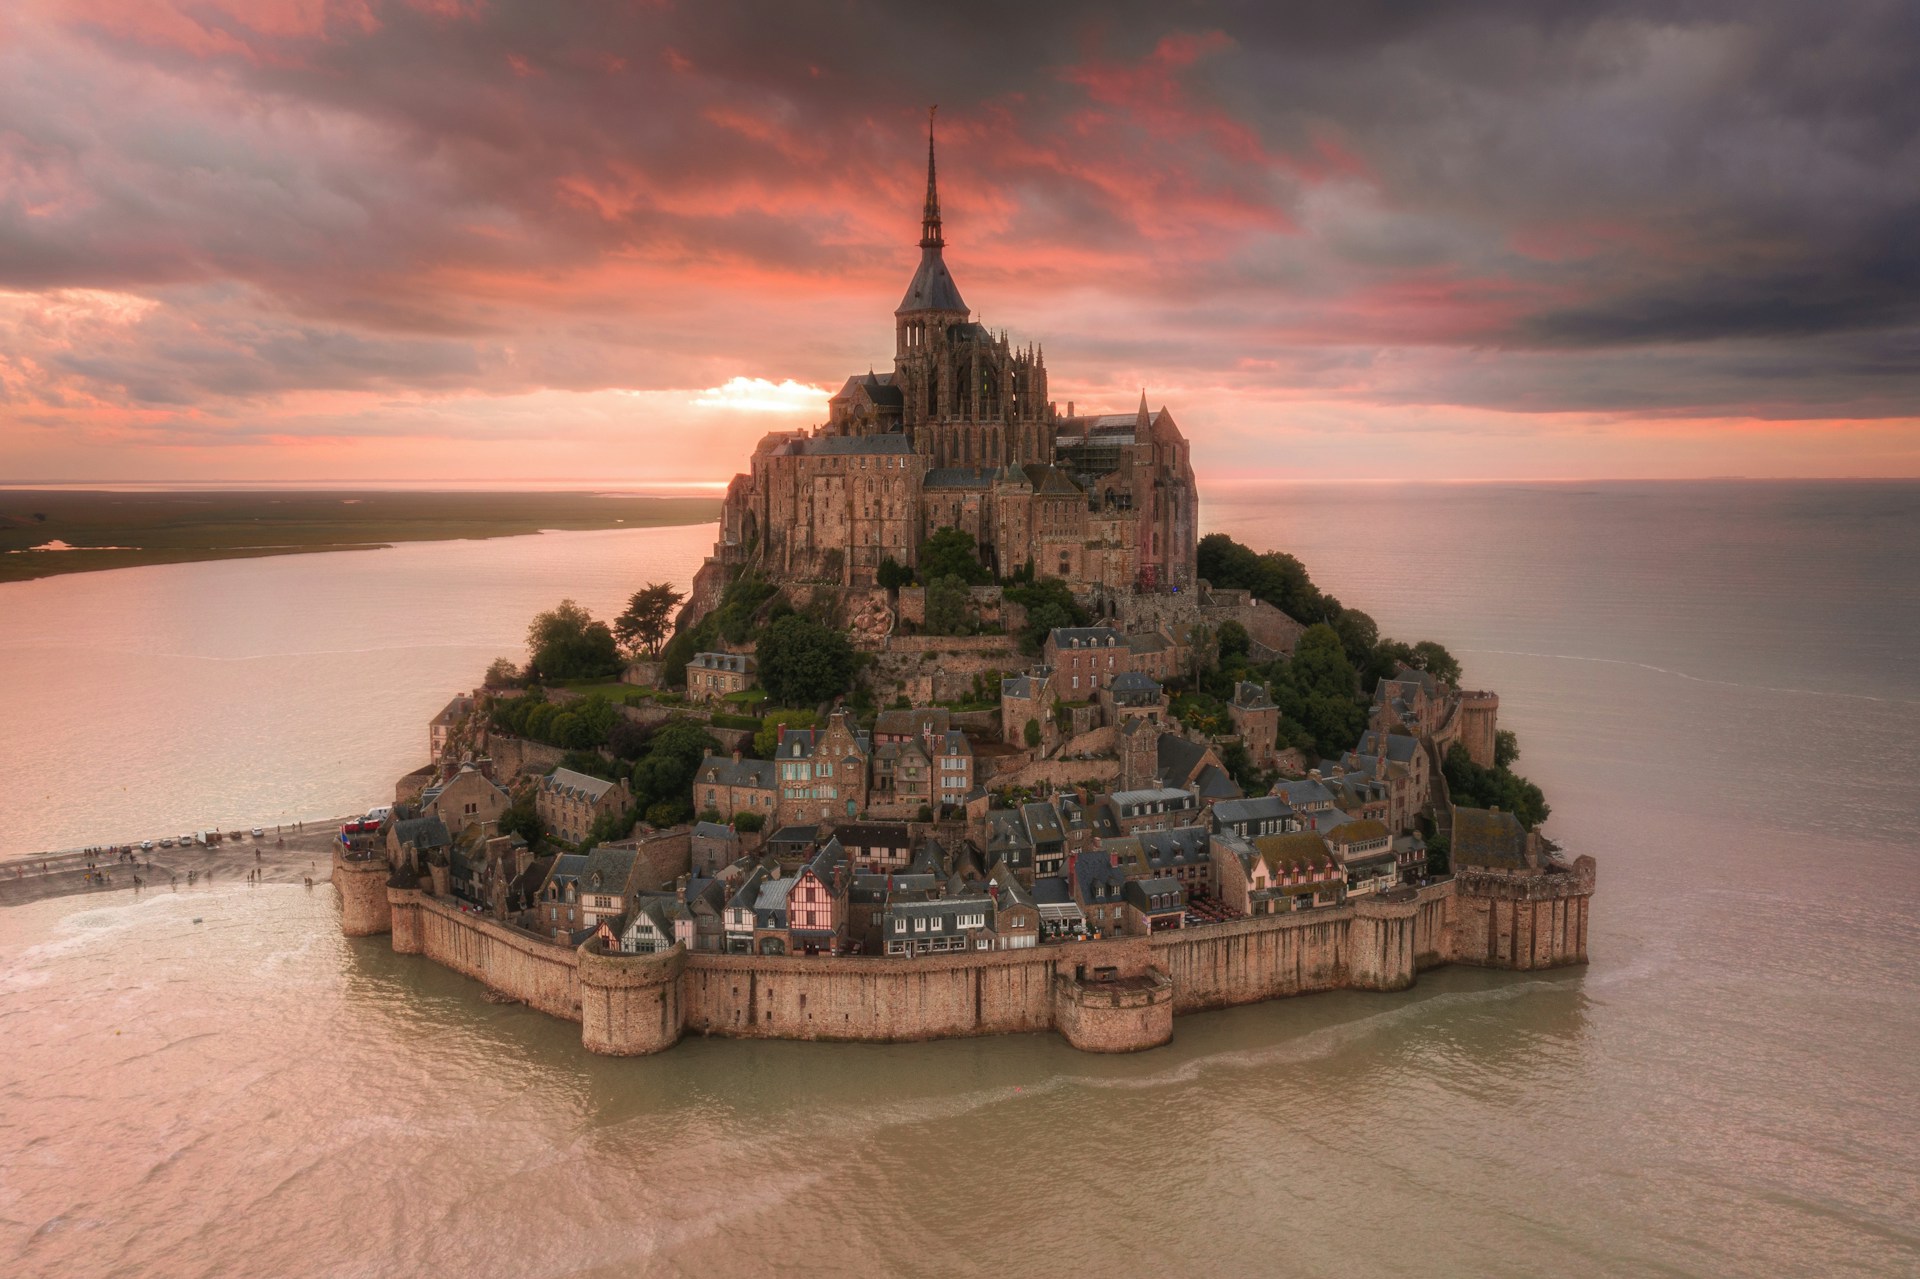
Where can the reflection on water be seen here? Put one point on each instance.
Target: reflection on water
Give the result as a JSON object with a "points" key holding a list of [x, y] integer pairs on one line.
{"points": [[1726, 1090]]}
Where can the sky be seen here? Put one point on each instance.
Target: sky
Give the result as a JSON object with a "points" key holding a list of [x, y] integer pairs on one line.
{"points": [[433, 240]]}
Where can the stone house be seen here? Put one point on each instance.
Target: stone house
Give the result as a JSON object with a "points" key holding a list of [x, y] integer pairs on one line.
{"points": [[1097, 883], [417, 842], [1196, 767], [738, 919], [770, 920], [468, 798], [823, 772], [1161, 808], [923, 724], [953, 769], [1257, 721], [1297, 871], [558, 909], [1259, 815], [938, 926], [1154, 655], [569, 803], [1061, 918], [1488, 838], [712, 676], [1364, 849], [1132, 695], [1084, 659], [1028, 699], [738, 785], [441, 728], [1153, 905], [711, 846], [902, 777], [1016, 917]]}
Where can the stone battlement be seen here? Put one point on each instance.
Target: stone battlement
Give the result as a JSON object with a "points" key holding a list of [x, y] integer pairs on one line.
{"points": [[1114, 995]]}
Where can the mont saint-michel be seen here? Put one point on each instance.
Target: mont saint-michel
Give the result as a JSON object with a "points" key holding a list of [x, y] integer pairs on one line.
{"points": [[963, 729]]}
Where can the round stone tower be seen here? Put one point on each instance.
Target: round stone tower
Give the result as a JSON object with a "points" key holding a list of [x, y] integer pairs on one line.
{"points": [[363, 895], [629, 1004], [1380, 942]]}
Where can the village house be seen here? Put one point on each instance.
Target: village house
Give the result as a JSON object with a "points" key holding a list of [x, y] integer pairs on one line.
{"points": [[1161, 808], [738, 919], [1364, 849], [1259, 815], [1028, 700], [651, 928], [823, 771], [713, 676], [1257, 721], [468, 798], [1297, 871], [770, 916], [558, 909], [817, 904], [569, 803], [417, 842], [902, 777], [1097, 884], [876, 847], [441, 728], [733, 786], [1153, 905], [923, 724], [711, 846], [1084, 658], [1154, 655], [1061, 918], [939, 926], [1016, 917], [952, 762], [1132, 695]]}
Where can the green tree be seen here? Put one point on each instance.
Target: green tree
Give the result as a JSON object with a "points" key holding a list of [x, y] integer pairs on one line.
{"points": [[1233, 641], [1049, 605], [521, 819], [951, 552], [892, 574], [803, 662], [1506, 748], [648, 620], [1471, 786], [748, 822], [949, 607], [568, 644], [1032, 732], [503, 674], [665, 773], [1436, 661]]}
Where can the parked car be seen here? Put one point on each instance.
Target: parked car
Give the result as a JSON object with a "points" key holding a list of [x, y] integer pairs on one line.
{"points": [[146, 845], [259, 833], [167, 842]]}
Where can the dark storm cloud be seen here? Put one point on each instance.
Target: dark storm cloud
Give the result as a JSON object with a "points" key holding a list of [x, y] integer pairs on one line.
{"points": [[530, 194]]}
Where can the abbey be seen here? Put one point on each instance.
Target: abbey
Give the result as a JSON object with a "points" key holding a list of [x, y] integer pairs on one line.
{"points": [[961, 434]]}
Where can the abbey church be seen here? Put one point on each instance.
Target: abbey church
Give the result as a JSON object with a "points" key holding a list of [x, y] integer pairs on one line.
{"points": [[962, 433]]}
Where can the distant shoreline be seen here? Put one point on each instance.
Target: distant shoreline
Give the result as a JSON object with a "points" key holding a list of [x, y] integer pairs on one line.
{"points": [[96, 530]]}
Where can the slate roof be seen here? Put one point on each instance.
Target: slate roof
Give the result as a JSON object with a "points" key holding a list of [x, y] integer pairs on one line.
{"points": [[1489, 837], [932, 287], [1094, 872], [614, 866], [914, 722], [738, 663], [1140, 894], [1179, 758], [1249, 696], [1149, 642], [853, 445], [958, 477], [720, 770], [576, 785], [714, 830], [1085, 637], [421, 832], [1259, 808]]}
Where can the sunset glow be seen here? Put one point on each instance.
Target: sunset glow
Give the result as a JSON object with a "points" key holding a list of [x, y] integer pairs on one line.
{"points": [[377, 240]]}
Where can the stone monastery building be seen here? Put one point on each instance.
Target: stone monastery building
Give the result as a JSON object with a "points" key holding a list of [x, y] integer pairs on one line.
{"points": [[961, 433]]}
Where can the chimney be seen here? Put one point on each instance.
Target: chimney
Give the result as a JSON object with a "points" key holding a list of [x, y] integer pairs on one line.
{"points": [[736, 754], [1069, 408]]}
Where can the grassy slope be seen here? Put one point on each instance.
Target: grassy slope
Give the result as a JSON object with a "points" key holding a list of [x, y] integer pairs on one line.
{"points": [[171, 528]]}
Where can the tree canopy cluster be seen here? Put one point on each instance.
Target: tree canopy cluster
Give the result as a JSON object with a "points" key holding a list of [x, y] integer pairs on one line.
{"points": [[803, 662], [566, 643], [1473, 786], [643, 628]]}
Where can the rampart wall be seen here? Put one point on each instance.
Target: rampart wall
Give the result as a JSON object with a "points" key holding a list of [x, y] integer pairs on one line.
{"points": [[1105, 996]]}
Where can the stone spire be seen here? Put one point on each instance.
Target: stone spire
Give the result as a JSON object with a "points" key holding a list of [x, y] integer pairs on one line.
{"points": [[932, 287], [930, 237], [1144, 421]]}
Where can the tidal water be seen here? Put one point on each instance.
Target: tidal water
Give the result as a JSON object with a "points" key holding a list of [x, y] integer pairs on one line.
{"points": [[1716, 685]]}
